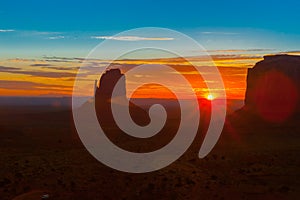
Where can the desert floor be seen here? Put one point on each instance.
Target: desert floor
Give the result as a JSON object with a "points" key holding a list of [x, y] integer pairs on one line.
{"points": [[40, 153]]}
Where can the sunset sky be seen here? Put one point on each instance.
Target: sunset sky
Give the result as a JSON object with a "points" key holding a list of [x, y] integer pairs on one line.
{"points": [[43, 43]]}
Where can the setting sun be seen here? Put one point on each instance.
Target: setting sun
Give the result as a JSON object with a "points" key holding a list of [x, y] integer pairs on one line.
{"points": [[210, 97]]}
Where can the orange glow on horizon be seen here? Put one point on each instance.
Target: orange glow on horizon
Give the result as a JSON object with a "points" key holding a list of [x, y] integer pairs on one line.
{"points": [[46, 78]]}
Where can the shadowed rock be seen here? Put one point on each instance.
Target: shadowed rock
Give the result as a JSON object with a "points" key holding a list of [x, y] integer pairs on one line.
{"points": [[273, 88], [104, 100], [108, 82]]}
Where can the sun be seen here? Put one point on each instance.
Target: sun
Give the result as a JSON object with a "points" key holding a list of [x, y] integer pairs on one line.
{"points": [[210, 97]]}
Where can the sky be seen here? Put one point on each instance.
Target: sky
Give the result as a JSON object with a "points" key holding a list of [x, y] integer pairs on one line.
{"points": [[41, 41]]}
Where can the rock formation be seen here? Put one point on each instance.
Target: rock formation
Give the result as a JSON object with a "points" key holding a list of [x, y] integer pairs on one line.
{"points": [[273, 88], [107, 84], [104, 98], [138, 113], [103, 94]]}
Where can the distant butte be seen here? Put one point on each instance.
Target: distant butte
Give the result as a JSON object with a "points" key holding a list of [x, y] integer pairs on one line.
{"points": [[108, 82], [273, 88], [104, 98]]}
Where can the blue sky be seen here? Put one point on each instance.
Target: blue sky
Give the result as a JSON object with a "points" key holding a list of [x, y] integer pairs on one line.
{"points": [[37, 28]]}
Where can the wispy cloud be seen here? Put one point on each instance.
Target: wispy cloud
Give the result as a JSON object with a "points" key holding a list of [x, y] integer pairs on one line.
{"points": [[62, 68], [44, 74], [6, 30], [63, 59], [48, 74], [56, 37], [239, 50], [37, 33], [40, 65], [291, 52], [218, 33], [131, 38], [44, 33], [8, 69], [28, 85]]}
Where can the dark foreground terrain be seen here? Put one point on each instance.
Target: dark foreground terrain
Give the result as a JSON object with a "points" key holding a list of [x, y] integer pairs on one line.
{"points": [[40, 154]]}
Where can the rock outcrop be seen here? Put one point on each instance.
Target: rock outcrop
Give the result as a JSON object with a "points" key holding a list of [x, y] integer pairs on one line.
{"points": [[107, 84], [273, 88], [104, 98]]}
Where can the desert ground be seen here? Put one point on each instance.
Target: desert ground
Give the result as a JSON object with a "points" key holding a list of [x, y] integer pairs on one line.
{"points": [[43, 157]]}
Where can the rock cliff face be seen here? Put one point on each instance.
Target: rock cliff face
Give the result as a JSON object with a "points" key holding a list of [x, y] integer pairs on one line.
{"points": [[104, 99], [103, 94], [273, 88], [108, 82]]}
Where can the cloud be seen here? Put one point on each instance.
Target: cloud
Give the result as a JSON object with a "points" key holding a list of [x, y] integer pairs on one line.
{"points": [[6, 84], [62, 68], [56, 37], [8, 69], [218, 33], [6, 30], [62, 59], [21, 60], [43, 74], [40, 65], [291, 52], [132, 38], [239, 50], [41, 34], [44, 33], [237, 57], [48, 74]]}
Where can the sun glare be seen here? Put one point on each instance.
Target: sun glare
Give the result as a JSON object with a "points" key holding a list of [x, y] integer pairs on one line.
{"points": [[210, 97]]}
